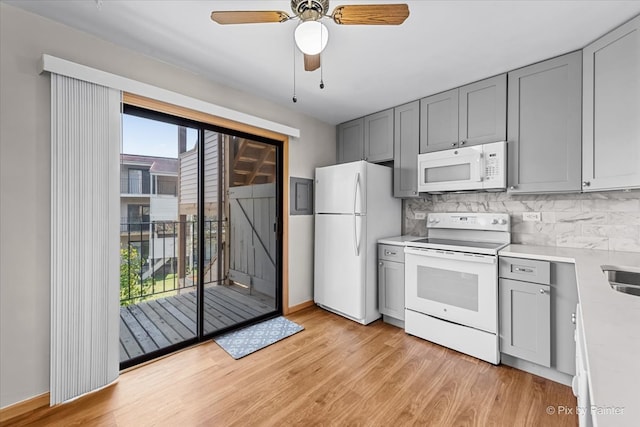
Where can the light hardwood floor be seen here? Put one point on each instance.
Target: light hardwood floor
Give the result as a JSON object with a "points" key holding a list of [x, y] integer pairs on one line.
{"points": [[335, 372]]}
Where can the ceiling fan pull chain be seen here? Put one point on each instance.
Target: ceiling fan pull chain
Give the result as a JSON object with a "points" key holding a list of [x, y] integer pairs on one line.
{"points": [[294, 99], [321, 62]]}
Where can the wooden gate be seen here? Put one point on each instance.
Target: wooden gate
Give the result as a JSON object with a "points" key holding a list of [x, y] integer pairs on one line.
{"points": [[252, 237]]}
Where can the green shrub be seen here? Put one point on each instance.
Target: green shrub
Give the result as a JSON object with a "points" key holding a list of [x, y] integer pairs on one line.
{"points": [[131, 287]]}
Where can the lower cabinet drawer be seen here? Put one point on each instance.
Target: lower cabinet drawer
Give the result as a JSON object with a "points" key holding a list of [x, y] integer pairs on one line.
{"points": [[527, 270], [391, 253]]}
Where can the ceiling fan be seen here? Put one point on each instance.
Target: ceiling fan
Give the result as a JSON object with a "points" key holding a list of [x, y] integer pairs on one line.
{"points": [[311, 35]]}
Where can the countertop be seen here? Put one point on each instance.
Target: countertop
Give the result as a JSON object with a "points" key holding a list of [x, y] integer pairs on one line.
{"points": [[399, 240], [611, 328]]}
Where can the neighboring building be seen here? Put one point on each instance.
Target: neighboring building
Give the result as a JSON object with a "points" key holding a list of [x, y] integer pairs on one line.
{"points": [[149, 208]]}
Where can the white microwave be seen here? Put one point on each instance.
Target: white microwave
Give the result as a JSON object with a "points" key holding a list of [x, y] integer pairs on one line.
{"points": [[479, 167]]}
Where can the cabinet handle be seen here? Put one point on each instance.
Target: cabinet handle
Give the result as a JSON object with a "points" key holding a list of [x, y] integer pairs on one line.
{"points": [[513, 187], [573, 318], [463, 142], [380, 263], [453, 144], [523, 270], [542, 291], [389, 253], [586, 183]]}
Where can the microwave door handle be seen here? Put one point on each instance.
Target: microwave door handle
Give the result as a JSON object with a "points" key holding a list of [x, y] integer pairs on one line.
{"points": [[481, 168]]}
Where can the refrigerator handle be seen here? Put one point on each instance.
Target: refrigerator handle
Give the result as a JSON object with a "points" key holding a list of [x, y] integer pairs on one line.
{"points": [[356, 250], [356, 184]]}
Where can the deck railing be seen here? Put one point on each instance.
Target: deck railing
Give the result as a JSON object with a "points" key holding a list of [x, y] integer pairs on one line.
{"points": [[133, 185], [150, 255]]}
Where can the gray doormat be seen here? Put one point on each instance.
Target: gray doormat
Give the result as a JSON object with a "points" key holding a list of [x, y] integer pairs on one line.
{"points": [[255, 337]]}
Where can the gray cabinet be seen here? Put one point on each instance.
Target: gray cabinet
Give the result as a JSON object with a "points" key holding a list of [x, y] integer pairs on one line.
{"points": [[391, 281], [439, 121], [525, 321], [611, 110], [406, 141], [378, 136], [469, 115], [350, 141], [483, 111], [537, 303], [367, 138], [544, 126]]}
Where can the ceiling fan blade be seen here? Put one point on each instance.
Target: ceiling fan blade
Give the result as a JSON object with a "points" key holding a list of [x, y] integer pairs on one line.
{"points": [[311, 62], [371, 14], [248, 16]]}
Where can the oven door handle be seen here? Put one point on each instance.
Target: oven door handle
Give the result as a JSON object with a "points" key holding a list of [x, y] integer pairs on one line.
{"points": [[458, 256]]}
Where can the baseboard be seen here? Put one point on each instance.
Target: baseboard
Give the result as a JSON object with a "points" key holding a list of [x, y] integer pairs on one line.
{"points": [[532, 368], [393, 321], [24, 407], [299, 307]]}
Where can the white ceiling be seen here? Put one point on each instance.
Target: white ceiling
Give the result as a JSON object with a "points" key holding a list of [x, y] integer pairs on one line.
{"points": [[443, 44]]}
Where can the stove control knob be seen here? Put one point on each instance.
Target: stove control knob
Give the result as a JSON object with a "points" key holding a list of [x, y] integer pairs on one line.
{"points": [[494, 221], [503, 221]]}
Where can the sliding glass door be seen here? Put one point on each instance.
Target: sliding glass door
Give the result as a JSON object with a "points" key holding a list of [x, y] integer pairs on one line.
{"points": [[241, 180], [200, 249]]}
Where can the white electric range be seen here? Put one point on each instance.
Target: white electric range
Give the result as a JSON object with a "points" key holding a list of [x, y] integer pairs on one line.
{"points": [[451, 282]]}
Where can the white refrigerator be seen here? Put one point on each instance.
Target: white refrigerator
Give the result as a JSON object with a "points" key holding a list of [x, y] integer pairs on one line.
{"points": [[354, 207]]}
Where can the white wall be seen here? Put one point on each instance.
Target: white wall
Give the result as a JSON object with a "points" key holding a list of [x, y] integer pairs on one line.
{"points": [[25, 170], [163, 208]]}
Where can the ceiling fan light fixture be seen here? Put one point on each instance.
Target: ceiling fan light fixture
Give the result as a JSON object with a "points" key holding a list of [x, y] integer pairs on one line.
{"points": [[311, 37]]}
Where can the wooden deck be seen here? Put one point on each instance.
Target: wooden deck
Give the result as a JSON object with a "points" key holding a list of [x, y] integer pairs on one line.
{"points": [[155, 324]]}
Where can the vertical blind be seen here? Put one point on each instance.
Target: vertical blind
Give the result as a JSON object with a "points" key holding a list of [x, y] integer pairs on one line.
{"points": [[85, 147]]}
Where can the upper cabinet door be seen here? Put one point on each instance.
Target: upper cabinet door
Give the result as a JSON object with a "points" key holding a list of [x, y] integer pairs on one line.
{"points": [[611, 110], [406, 143], [483, 111], [439, 121], [350, 141], [378, 136], [544, 129]]}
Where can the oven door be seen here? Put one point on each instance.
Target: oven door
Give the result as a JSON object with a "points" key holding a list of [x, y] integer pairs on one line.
{"points": [[454, 286], [451, 170]]}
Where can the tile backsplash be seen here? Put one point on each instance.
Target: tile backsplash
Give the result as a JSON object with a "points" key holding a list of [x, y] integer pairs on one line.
{"points": [[603, 220]]}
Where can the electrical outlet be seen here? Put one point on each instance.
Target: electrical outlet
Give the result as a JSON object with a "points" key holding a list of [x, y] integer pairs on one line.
{"points": [[531, 216], [420, 215]]}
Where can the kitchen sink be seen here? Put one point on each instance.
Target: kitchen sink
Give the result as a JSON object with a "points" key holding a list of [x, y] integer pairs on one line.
{"points": [[625, 281]]}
